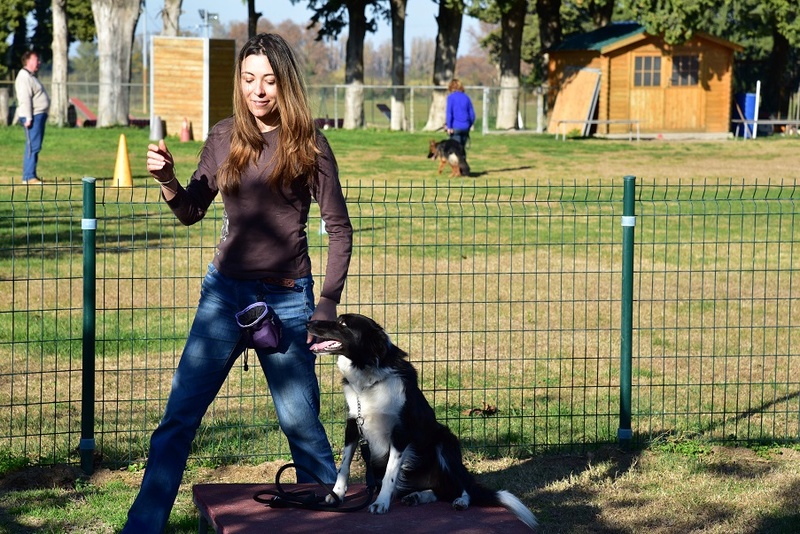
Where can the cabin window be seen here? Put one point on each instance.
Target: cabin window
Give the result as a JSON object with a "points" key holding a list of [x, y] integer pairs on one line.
{"points": [[685, 70], [647, 71]]}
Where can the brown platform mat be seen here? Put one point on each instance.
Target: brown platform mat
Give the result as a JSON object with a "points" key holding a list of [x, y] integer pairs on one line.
{"points": [[230, 509]]}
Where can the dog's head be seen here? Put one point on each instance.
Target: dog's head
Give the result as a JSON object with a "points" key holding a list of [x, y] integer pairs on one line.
{"points": [[356, 337], [432, 149]]}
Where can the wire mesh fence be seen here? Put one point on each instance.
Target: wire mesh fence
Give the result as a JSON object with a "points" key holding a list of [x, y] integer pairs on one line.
{"points": [[506, 297], [328, 102]]}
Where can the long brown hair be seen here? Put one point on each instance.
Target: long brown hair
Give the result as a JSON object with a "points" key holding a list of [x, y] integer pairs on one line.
{"points": [[297, 155]]}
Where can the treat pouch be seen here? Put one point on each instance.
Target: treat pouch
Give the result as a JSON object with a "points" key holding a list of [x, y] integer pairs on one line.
{"points": [[261, 325]]}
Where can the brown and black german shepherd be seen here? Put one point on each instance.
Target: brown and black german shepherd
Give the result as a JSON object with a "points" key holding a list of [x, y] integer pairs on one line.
{"points": [[449, 152]]}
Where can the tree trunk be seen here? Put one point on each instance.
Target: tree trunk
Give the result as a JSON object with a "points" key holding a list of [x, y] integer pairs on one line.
{"points": [[602, 13], [776, 88], [5, 109], [398, 107], [549, 13], [252, 19], [512, 23], [449, 21], [170, 17], [115, 21], [354, 66], [59, 99]]}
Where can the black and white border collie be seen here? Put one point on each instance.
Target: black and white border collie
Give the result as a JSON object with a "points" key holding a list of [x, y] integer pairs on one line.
{"points": [[414, 456]]}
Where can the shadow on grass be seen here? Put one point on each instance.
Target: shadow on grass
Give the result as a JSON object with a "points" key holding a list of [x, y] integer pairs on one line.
{"points": [[783, 524], [486, 172], [563, 507]]}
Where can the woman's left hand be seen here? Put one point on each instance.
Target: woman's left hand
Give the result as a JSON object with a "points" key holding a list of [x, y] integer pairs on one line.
{"points": [[325, 311]]}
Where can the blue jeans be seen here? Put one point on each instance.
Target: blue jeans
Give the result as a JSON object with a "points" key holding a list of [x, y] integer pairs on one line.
{"points": [[34, 136], [462, 136], [215, 342]]}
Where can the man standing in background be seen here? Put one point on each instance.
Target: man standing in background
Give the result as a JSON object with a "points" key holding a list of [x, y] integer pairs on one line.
{"points": [[33, 103]]}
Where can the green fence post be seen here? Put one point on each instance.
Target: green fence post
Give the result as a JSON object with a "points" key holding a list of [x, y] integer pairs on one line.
{"points": [[625, 433], [89, 227]]}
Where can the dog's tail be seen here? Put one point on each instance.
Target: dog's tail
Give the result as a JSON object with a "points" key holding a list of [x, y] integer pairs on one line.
{"points": [[481, 495], [516, 507]]}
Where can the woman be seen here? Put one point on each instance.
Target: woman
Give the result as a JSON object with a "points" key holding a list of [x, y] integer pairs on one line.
{"points": [[267, 162], [459, 113]]}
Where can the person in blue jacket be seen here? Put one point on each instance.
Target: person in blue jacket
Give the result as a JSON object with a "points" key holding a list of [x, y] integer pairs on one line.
{"points": [[459, 114]]}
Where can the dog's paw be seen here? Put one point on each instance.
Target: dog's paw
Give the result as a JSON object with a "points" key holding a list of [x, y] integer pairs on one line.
{"points": [[460, 504], [379, 507], [340, 492], [411, 499], [419, 497]]}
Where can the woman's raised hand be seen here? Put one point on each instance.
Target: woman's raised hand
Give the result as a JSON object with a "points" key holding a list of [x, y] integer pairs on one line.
{"points": [[160, 163]]}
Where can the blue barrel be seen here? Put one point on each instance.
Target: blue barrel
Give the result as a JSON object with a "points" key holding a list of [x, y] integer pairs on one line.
{"points": [[747, 105]]}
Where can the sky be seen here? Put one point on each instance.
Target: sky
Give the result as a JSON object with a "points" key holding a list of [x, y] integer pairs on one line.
{"points": [[420, 17]]}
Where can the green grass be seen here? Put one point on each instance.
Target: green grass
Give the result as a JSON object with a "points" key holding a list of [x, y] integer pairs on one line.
{"points": [[506, 297]]}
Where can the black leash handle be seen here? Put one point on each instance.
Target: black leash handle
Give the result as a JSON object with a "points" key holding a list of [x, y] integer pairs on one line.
{"points": [[308, 499], [365, 455]]}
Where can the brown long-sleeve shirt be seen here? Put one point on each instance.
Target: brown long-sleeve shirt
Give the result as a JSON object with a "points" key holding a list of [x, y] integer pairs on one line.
{"points": [[264, 230]]}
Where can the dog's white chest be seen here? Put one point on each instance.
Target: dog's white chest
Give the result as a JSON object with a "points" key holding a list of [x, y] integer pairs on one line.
{"points": [[375, 398]]}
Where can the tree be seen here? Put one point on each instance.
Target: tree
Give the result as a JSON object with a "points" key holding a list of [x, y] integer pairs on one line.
{"points": [[252, 19], [512, 23], [449, 21], [115, 21], [354, 65], [398, 105], [42, 37], [170, 19], [12, 22], [59, 99], [549, 14], [332, 16], [506, 48], [16, 22], [80, 21]]}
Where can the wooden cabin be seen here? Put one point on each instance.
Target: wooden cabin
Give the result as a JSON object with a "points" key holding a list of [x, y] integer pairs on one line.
{"points": [[621, 73], [192, 79]]}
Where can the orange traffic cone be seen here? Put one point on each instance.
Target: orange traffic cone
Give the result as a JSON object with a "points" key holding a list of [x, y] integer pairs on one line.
{"points": [[185, 133], [122, 170]]}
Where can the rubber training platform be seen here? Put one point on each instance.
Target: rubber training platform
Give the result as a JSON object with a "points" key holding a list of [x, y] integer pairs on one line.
{"points": [[231, 509]]}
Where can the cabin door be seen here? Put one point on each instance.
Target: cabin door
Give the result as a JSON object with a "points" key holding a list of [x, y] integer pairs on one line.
{"points": [[684, 97], [647, 96]]}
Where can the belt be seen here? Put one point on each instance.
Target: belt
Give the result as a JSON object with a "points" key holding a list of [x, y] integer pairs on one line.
{"points": [[283, 282]]}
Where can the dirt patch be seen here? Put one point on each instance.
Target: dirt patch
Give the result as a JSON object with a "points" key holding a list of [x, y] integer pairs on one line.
{"points": [[29, 478]]}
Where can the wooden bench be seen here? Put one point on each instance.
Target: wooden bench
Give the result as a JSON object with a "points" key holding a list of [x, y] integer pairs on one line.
{"points": [[631, 123], [230, 508]]}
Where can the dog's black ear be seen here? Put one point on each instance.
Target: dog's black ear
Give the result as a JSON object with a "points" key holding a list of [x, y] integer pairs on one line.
{"points": [[377, 343], [397, 352]]}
